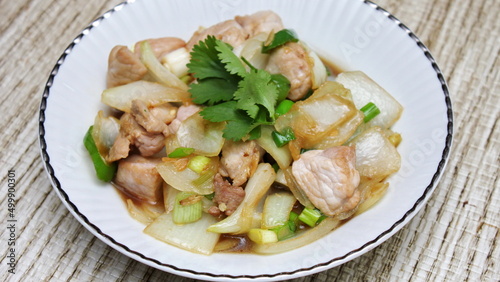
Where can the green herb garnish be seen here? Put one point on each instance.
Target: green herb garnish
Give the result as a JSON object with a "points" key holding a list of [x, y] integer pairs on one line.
{"points": [[244, 99]]}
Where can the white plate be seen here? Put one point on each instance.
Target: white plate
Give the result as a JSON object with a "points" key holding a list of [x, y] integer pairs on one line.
{"points": [[354, 34]]}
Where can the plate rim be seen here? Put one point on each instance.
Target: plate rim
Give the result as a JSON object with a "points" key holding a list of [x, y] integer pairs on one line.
{"points": [[124, 249]]}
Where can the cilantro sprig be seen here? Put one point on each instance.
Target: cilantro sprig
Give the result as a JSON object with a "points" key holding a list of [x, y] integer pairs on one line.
{"points": [[244, 99]]}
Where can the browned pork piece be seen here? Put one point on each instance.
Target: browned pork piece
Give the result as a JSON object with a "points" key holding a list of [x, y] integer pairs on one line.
{"points": [[291, 61], [329, 179], [132, 133], [227, 197], [124, 67], [155, 119], [228, 31], [240, 160], [161, 46], [138, 177], [262, 21]]}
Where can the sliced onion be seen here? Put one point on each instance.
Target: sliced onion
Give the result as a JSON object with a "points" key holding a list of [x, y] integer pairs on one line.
{"points": [[280, 154], [319, 73], [364, 90], [184, 179], [251, 51], [151, 93], [192, 236], [203, 136], [159, 72], [302, 239], [105, 131]]}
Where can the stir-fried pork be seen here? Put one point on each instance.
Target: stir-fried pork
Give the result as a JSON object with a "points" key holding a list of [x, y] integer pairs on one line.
{"points": [[124, 67], [291, 61], [137, 175], [228, 31], [227, 197], [329, 179], [263, 21], [240, 160], [161, 46], [132, 133], [182, 114], [155, 119]]}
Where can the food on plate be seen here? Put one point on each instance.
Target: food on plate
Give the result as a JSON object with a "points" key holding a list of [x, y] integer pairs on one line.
{"points": [[241, 139]]}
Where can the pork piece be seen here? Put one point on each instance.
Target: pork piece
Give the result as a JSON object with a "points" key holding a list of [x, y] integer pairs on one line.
{"points": [[227, 197], [138, 177], [228, 31], [132, 133], [329, 179], [124, 67], [240, 160], [291, 61], [263, 21], [161, 46], [182, 114], [154, 119]]}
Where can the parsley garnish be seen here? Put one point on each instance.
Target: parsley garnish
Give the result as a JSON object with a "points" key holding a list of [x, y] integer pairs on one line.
{"points": [[244, 99]]}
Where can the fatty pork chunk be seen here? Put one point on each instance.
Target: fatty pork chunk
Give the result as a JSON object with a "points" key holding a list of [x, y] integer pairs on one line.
{"points": [[239, 160], [137, 176], [291, 61], [329, 179], [227, 197], [262, 21], [125, 66]]}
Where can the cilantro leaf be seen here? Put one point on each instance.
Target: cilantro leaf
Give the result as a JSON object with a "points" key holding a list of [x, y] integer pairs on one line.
{"points": [[221, 112], [233, 64], [243, 99], [212, 91], [205, 62], [256, 89]]}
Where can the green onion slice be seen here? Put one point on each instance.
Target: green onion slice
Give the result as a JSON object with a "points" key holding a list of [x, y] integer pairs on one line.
{"points": [[310, 216], [198, 163], [280, 38], [186, 209], [181, 152], [282, 138], [370, 111], [284, 107], [282, 85]]}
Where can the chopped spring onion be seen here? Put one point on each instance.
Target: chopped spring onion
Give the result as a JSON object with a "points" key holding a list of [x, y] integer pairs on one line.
{"points": [[283, 107], [282, 138], [370, 111], [282, 85], [285, 231], [181, 152], [105, 171], [280, 38], [198, 163], [187, 208], [310, 216], [262, 236]]}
